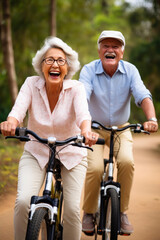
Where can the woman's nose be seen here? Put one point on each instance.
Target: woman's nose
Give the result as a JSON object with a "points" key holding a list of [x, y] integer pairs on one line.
{"points": [[55, 63]]}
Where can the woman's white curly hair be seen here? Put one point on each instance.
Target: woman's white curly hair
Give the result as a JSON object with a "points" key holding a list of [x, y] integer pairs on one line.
{"points": [[71, 56]]}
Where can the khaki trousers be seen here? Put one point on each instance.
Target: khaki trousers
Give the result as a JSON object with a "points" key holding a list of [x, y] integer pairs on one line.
{"points": [[30, 181], [123, 152]]}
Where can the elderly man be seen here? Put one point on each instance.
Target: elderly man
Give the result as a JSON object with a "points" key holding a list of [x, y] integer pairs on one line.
{"points": [[109, 83]]}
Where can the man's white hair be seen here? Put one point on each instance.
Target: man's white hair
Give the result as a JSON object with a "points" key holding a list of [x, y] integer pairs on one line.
{"points": [[71, 56]]}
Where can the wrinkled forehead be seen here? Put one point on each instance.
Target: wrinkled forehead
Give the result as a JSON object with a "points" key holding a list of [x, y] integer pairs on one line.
{"points": [[55, 51]]}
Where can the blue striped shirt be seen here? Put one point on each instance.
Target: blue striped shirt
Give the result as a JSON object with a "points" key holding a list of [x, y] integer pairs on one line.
{"points": [[109, 97]]}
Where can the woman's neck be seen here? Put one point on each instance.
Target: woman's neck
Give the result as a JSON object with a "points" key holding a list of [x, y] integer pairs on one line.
{"points": [[53, 93]]}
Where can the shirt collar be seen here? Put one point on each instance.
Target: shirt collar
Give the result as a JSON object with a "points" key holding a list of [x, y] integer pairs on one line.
{"points": [[40, 83], [66, 83], [100, 70], [121, 67]]}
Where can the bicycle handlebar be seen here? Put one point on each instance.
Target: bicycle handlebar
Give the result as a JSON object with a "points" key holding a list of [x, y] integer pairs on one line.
{"points": [[136, 128], [22, 135]]}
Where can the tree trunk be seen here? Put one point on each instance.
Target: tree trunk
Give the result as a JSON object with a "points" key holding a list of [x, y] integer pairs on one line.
{"points": [[53, 17], [7, 47], [104, 5]]}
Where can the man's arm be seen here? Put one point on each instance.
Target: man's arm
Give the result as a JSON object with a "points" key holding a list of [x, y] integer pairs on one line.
{"points": [[149, 111]]}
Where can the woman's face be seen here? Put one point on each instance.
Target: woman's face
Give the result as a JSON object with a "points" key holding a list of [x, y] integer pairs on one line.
{"points": [[53, 71]]}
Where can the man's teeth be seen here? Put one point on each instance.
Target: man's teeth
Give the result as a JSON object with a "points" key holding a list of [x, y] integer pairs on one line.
{"points": [[111, 56]]}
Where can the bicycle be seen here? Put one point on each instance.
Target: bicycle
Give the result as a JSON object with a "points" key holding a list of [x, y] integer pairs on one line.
{"points": [[45, 216], [107, 218]]}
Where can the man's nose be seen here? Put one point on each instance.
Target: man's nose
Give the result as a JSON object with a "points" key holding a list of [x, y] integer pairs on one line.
{"points": [[110, 49]]}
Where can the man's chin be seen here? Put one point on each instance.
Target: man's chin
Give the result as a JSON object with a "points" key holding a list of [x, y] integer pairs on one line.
{"points": [[111, 62]]}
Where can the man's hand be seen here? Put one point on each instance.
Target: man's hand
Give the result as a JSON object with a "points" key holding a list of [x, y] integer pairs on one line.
{"points": [[150, 126]]}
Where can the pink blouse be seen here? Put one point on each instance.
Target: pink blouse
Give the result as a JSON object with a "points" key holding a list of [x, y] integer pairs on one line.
{"points": [[64, 122]]}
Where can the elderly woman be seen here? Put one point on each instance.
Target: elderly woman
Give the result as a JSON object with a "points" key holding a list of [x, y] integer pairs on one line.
{"points": [[56, 107]]}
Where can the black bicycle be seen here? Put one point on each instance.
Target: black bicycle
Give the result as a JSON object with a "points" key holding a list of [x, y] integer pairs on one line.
{"points": [[107, 218], [45, 216]]}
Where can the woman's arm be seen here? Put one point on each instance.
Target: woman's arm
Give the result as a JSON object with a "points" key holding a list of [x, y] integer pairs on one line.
{"points": [[90, 137]]}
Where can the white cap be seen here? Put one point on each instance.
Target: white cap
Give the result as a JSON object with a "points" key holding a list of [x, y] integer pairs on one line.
{"points": [[112, 34]]}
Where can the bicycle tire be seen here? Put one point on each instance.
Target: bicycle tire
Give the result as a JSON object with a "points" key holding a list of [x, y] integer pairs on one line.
{"points": [[110, 227], [60, 219], [40, 221]]}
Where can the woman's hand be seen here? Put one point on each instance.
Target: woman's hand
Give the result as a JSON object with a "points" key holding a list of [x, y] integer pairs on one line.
{"points": [[8, 127], [90, 137]]}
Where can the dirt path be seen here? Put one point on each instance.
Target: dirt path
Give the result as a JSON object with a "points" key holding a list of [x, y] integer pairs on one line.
{"points": [[144, 210]]}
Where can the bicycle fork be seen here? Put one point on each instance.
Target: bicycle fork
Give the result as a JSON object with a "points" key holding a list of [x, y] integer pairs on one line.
{"points": [[105, 186], [45, 201]]}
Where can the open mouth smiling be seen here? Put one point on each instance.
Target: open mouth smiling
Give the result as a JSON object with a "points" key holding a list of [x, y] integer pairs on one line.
{"points": [[110, 55], [54, 74]]}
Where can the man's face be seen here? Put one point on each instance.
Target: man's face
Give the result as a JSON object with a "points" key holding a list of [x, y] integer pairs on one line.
{"points": [[110, 53]]}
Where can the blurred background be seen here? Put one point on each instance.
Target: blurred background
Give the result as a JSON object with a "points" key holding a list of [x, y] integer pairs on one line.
{"points": [[25, 24]]}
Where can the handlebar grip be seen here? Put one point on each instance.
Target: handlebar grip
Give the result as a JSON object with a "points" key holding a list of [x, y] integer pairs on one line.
{"points": [[100, 141], [17, 131]]}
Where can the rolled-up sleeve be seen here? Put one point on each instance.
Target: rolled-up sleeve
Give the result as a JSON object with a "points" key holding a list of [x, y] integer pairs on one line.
{"points": [[138, 88]]}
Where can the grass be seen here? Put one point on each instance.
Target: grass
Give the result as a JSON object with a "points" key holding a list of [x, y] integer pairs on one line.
{"points": [[10, 153]]}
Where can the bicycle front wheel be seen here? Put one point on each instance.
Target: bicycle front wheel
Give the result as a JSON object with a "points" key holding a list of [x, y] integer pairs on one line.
{"points": [[110, 228], [40, 228], [59, 222]]}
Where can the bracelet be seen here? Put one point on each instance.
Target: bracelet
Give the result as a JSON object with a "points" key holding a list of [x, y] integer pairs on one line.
{"points": [[152, 119]]}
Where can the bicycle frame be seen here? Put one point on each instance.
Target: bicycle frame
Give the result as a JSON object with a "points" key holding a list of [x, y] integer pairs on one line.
{"points": [[110, 189], [51, 194], [47, 208], [108, 184]]}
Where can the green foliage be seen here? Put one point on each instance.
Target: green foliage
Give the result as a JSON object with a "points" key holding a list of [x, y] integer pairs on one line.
{"points": [[145, 51], [29, 26], [10, 153], [5, 101]]}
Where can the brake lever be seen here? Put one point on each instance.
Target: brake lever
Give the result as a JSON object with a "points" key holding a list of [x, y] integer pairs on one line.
{"points": [[22, 139], [140, 131], [79, 145], [146, 132]]}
